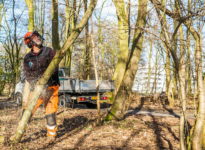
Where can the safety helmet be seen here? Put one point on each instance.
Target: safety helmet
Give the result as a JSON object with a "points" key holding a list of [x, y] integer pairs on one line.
{"points": [[29, 36]]}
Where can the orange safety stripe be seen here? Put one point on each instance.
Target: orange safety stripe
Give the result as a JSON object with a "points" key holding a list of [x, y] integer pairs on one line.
{"points": [[54, 130]]}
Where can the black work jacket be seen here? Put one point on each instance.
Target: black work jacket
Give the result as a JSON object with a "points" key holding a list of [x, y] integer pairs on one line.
{"points": [[36, 64]]}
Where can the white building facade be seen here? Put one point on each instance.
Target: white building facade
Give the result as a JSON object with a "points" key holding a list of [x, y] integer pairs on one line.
{"points": [[157, 80]]}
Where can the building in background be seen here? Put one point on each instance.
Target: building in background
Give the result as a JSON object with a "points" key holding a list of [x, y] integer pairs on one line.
{"points": [[157, 79]]}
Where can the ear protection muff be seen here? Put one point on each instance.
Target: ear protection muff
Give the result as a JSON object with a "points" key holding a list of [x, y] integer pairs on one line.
{"points": [[29, 44]]}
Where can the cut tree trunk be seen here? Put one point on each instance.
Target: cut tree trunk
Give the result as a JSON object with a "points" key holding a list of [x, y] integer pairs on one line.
{"points": [[49, 71]]}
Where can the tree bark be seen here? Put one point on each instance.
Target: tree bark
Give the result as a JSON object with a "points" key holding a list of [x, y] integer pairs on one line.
{"points": [[29, 4], [26, 91], [188, 75], [96, 72], [122, 99], [71, 21], [55, 35], [96, 79], [124, 48], [167, 65], [65, 61], [174, 70], [149, 67], [155, 73], [101, 41], [196, 144], [196, 84], [60, 53], [128, 9], [87, 52], [170, 94], [188, 64], [182, 89]]}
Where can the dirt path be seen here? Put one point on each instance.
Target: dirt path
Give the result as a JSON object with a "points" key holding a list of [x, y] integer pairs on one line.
{"points": [[160, 113]]}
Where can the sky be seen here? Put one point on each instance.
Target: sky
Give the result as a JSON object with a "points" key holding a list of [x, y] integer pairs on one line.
{"points": [[108, 14]]}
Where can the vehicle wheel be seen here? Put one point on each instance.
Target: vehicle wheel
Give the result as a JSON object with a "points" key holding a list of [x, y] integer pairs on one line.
{"points": [[90, 105], [18, 98], [105, 105], [61, 101]]}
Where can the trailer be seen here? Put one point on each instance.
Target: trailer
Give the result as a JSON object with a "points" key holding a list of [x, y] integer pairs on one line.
{"points": [[73, 90]]}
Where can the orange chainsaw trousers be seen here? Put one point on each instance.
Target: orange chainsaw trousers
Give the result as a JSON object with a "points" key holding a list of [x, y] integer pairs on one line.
{"points": [[51, 106]]}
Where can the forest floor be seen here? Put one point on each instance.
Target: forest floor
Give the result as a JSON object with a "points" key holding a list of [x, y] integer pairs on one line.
{"points": [[78, 128]]}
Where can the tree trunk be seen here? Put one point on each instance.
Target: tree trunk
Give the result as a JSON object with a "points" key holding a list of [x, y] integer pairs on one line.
{"points": [[123, 50], [65, 61], [174, 70], [155, 73], [188, 64], [26, 91], [60, 53], [128, 9], [188, 72], [167, 65], [42, 18], [122, 98], [87, 51], [182, 89], [55, 35], [196, 142], [170, 95], [96, 79], [149, 68], [101, 41], [169, 89], [96, 73], [168, 72], [71, 21], [29, 4], [196, 85]]}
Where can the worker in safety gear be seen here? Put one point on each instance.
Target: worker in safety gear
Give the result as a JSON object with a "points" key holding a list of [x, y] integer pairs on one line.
{"points": [[34, 65]]}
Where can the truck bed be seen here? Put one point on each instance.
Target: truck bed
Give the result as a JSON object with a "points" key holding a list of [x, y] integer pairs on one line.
{"points": [[70, 85]]}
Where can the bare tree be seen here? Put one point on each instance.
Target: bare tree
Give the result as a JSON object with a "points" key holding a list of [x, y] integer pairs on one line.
{"points": [[122, 99]]}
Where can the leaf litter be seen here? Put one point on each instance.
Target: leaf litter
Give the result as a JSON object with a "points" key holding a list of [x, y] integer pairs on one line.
{"points": [[78, 129]]}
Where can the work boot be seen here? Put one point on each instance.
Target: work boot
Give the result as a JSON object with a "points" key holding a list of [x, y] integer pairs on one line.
{"points": [[50, 139]]}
